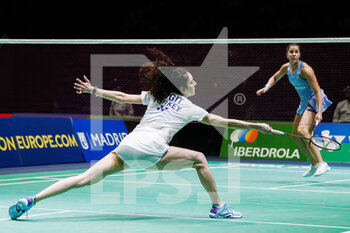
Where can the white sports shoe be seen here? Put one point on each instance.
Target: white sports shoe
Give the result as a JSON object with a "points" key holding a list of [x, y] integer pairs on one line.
{"points": [[311, 171], [322, 168]]}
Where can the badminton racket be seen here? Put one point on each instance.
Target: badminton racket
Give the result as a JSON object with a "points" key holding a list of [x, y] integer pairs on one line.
{"points": [[317, 140], [313, 130]]}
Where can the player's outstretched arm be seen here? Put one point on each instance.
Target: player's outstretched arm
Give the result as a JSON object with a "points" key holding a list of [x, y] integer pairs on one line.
{"points": [[215, 120], [117, 96], [273, 80]]}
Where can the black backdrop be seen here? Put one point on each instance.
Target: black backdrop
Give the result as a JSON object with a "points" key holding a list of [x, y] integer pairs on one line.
{"points": [[39, 78], [173, 19]]}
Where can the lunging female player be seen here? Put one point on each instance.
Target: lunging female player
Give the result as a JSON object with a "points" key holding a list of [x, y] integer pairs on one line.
{"points": [[168, 110], [313, 102]]}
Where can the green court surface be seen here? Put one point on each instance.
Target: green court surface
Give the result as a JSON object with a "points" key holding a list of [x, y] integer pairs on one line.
{"points": [[271, 197]]}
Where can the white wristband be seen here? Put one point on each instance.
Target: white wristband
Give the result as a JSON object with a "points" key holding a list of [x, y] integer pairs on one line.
{"points": [[94, 91], [268, 86]]}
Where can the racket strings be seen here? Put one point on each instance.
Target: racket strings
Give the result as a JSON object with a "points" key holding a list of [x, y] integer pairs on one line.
{"points": [[325, 143]]}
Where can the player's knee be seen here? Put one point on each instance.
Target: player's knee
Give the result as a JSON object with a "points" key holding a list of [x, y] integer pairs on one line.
{"points": [[303, 131], [200, 160]]}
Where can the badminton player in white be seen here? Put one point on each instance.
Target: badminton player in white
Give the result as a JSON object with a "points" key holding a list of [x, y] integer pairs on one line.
{"points": [[313, 102], [168, 110]]}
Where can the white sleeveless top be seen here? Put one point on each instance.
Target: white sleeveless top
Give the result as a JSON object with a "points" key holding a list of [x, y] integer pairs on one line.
{"points": [[161, 122]]}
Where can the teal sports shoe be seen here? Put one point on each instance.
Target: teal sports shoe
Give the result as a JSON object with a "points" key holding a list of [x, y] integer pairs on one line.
{"points": [[22, 206], [224, 212]]}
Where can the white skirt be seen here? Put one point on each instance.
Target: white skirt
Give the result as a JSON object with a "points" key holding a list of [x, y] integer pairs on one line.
{"points": [[141, 149]]}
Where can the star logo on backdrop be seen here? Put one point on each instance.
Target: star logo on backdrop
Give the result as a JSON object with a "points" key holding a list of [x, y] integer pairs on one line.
{"points": [[215, 78]]}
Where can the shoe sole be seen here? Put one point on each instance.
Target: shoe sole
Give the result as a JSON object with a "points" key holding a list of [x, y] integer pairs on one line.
{"points": [[217, 216], [308, 175]]}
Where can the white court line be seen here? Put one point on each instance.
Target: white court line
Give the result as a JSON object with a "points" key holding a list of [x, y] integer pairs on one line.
{"points": [[43, 177], [164, 171], [255, 167], [199, 185], [156, 171], [126, 172], [281, 188], [310, 184], [226, 186], [299, 190], [30, 182], [197, 218], [290, 170], [44, 214], [241, 168], [38, 177], [52, 177]]}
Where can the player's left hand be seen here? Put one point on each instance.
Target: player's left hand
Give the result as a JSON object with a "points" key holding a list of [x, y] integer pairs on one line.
{"points": [[261, 91], [318, 117]]}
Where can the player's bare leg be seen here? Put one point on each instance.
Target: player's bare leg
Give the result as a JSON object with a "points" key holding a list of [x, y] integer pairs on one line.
{"points": [[306, 122], [110, 164], [302, 143], [177, 158]]}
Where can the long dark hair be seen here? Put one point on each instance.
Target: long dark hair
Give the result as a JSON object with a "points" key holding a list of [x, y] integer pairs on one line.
{"points": [[161, 82], [147, 70], [167, 81]]}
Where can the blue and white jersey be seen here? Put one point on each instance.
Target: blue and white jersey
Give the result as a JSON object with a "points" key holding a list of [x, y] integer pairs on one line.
{"points": [[306, 94], [301, 85]]}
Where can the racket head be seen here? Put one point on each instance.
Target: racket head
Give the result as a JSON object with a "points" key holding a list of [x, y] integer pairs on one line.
{"points": [[325, 143]]}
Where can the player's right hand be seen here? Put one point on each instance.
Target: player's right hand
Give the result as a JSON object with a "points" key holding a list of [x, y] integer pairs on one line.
{"points": [[262, 91], [265, 128]]}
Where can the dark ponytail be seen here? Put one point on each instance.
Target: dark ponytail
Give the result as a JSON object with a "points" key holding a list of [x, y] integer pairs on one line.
{"points": [[168, 81], [147, 70], [159, 78]]}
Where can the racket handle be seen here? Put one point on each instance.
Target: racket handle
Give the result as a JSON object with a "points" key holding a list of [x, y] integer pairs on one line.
{"points": [[274, 131]]}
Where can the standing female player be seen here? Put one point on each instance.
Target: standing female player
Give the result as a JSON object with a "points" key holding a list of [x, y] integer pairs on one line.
{"points": [[146, 146], [313, 102]]}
